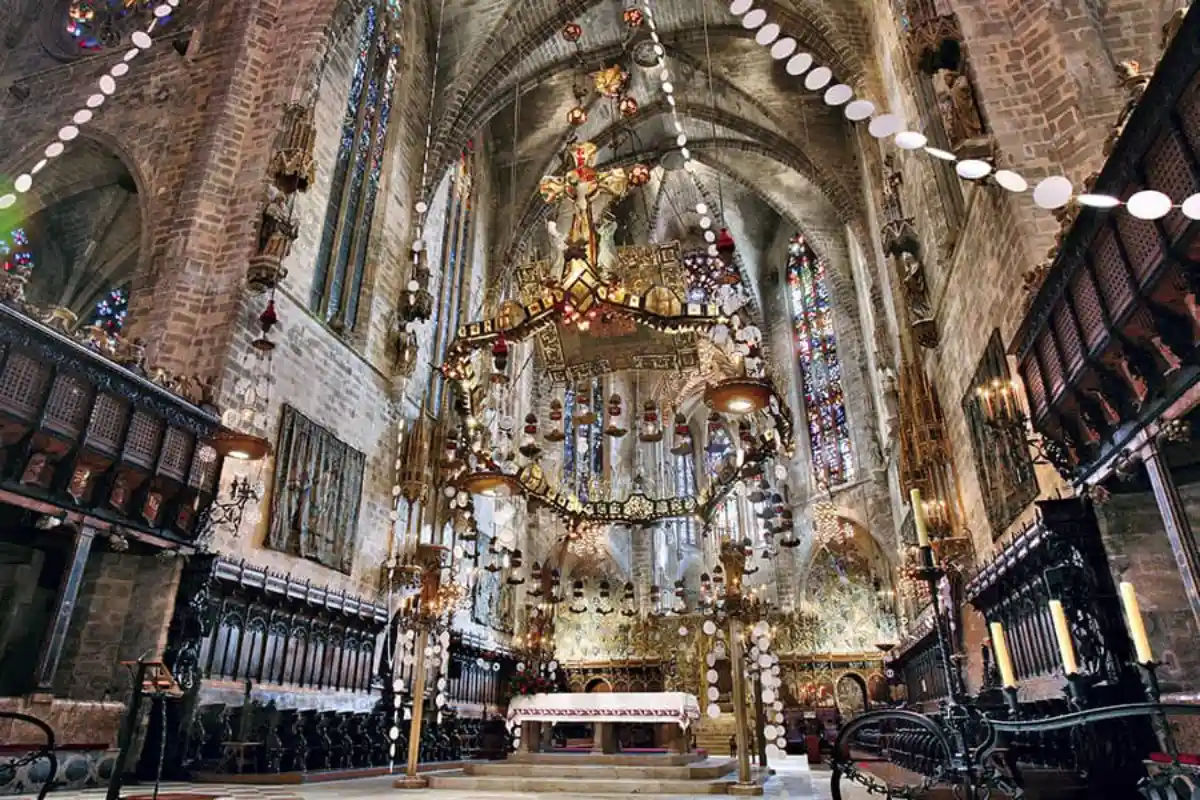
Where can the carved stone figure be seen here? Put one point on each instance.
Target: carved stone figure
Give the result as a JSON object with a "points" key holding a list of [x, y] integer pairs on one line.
{"points": [[558, 250], [957, 106], [607, 259], [293, 166], [131, 354], [275, 236], [1172, 26], [891, 401], [893, 209], [12, 287], [1134, 81], [61, 319], [917, 294]]}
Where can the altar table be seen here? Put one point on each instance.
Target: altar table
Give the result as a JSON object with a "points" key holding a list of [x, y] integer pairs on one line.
{"points": [[674, 710]]}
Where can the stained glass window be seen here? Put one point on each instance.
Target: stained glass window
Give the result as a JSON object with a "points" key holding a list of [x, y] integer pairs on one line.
{"points": [[15, 249], [110, 312], [456, 260], [341, 259], [93, 25], [820, 368], [685, 486]]}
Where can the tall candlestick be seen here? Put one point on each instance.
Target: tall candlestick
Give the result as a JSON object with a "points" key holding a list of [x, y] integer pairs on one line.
{"points": [[919, 519], [1008, 676], [1065, 647], [1137, 628]]}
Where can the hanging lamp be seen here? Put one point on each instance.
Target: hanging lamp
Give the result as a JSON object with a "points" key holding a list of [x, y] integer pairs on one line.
{"points": [[529, 446], [556, 434], [584, 415], [614, 428], [650, 431], [683, 437]]}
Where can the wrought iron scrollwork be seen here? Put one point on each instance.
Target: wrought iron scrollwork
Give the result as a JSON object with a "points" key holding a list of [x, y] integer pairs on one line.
{"points": [[45, 751]]}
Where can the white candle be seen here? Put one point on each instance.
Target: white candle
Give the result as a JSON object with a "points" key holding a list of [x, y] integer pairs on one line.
{"points": [[1008, 676], [1065, 647], [1137, 628], [919, 519]]}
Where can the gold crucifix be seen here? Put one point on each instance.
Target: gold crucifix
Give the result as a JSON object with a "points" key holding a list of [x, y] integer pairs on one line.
{"points": [[585, 189]]}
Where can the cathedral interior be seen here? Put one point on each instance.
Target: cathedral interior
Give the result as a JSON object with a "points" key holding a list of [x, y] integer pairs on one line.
{"points": [[575, 398]]}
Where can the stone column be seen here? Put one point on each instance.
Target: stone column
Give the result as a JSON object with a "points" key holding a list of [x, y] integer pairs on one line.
{"points": [[68, 593], [603, 740], [1175, 522]]}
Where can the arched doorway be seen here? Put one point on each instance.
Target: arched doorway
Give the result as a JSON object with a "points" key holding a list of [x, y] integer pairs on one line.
{"points": [[598, 686], [851, 695]]}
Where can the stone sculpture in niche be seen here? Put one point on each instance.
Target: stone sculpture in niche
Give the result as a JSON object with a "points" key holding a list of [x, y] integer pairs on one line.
{"points": [[956, 103], [935, 44], [276, 233], [901, 243]]}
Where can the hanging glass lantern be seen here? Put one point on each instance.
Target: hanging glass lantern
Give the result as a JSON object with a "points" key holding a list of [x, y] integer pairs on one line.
{"points": [[614, 428], [555, 434], [578, 605], [650, 430], [529, 446], [577, 116], [716, 444], [500, 359], [745, 433], [683, 437], [583, 406]]}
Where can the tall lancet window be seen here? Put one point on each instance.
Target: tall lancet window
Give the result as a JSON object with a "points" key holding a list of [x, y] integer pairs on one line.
{"points": [[341, 259], [820, 368], [685, 486], [456, 262]]}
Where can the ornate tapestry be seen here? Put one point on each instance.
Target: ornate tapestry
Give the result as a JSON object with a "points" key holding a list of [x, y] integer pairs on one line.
{"points": [[315, 494], [1006, 477], [493, 600]]}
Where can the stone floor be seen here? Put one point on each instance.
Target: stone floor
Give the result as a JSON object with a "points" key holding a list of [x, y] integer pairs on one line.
{"points": [[793, 779]]}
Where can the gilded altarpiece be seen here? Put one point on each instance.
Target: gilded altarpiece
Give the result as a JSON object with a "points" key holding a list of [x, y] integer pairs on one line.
{"points": [[849, 618]]}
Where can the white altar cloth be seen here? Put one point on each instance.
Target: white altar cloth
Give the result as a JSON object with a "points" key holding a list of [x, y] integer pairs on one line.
{"points": [[669, 707]]}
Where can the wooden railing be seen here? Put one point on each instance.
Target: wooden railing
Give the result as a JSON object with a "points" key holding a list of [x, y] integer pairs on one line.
{"points": [[1110, 335], [81, 433]]}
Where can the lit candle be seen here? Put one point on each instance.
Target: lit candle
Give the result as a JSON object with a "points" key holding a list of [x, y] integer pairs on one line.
{"points": [[1065, 648], [1137, 628], [987, 403], [919, 519], [1008, 676]]}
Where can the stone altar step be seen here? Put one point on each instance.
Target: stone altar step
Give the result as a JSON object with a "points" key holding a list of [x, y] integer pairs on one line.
{"points": [[611, 759], [699, 770], [578, 787]]}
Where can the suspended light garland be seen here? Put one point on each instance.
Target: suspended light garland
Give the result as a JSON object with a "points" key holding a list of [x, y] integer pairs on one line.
{"points": [[107, 86], [1050, 193]]}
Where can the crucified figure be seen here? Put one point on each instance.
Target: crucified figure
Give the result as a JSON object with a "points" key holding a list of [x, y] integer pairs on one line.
{"points": [[585, 189]]}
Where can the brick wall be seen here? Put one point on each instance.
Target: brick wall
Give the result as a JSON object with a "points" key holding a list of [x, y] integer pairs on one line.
{"points": [[1139, 552], [124, 608]]}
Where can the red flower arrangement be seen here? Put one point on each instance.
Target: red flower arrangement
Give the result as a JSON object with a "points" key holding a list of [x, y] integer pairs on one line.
{"points": [[529, 682]]}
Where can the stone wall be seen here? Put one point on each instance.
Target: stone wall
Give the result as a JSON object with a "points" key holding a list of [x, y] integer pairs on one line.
{"points": [[122, 613], [1140, 553]]}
